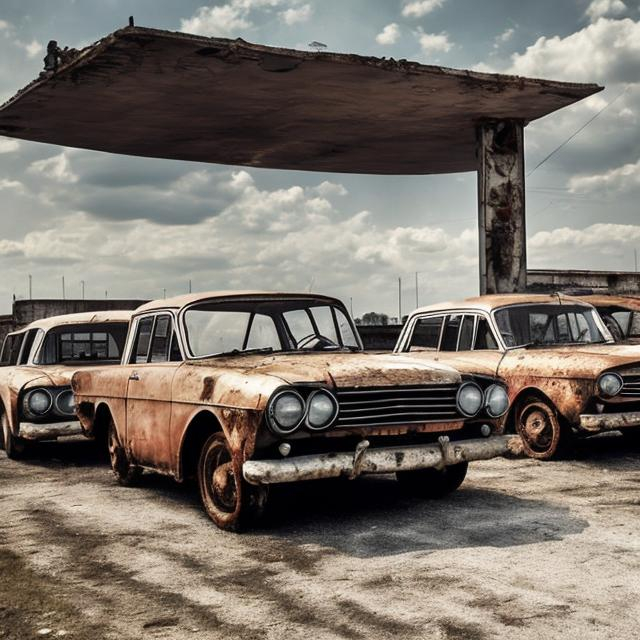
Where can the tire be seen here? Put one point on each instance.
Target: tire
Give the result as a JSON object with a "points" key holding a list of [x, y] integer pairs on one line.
{"points": [[16, 448], [433, 483], [231, 502], [126, 473], [538, 424]]}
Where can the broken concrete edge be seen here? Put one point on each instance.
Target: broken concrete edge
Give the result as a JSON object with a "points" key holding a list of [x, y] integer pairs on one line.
{"points": [[578, 91]]}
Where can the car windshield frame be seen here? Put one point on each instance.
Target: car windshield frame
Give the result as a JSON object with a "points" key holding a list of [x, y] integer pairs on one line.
{"points": [[596, 322], [276, 307]]}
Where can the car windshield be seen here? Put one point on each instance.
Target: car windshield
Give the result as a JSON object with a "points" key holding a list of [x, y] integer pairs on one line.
{"points": [[84, 343], [548, 324], [267, 325]]}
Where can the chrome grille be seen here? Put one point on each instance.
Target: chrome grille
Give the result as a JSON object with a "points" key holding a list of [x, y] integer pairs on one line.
{"points": [[631, 386], [377, 406]]}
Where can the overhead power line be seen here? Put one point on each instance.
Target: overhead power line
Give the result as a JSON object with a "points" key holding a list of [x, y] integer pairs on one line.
{"points": [[573, 135]]}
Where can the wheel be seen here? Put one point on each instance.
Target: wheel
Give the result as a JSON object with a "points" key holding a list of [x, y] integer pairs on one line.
{"points": [[16, 448], [126, 473], [538, 424], [231, 502], [433, 483]]}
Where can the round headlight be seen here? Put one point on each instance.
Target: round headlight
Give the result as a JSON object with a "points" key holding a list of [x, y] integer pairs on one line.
{"points": [[496, 401], [65, 403], [322, 410], [610, 384], [469, 399], [286, 412], [38, 402]]}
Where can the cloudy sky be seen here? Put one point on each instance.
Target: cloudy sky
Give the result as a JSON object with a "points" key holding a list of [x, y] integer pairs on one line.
{"points": [[136, 226]]}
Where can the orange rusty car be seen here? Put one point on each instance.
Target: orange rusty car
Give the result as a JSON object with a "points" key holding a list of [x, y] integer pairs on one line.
{"points": [[246, 389], [621, 315], [565, 374], [37, 362]]}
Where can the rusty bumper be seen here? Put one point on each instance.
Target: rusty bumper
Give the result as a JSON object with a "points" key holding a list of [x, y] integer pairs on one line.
{"points": [[609, 421], [49, 431], [384, 460]]}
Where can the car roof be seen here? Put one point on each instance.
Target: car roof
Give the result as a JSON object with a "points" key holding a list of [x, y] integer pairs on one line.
{"points": [[178, 302], [87, 317], [494, 301], [605, 300]]}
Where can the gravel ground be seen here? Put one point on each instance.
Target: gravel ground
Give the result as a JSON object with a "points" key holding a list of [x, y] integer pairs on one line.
{"points": [[524, 549]]}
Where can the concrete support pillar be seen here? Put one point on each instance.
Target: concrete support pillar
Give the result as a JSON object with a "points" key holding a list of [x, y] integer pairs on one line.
{"points": [[501, 213]]}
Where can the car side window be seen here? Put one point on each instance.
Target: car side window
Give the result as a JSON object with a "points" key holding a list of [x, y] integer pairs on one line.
{"points": [[426, 334], [450, 334], [466, 333], [161, 342], [485, 340], [29, 337], [140, 349], [11, 348]]}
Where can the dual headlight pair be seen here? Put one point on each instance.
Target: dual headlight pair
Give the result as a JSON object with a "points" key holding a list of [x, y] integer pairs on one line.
{"points": [[610, 384], [40, 402], [471, 399], [287, 411]]}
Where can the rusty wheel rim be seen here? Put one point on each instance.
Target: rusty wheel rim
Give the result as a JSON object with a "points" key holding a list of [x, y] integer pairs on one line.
{"points": [[221, 479], [539, 429], [113, 449]]}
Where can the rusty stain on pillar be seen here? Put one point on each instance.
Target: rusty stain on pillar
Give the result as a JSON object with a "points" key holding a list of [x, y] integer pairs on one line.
{"points": [[501, 207]]}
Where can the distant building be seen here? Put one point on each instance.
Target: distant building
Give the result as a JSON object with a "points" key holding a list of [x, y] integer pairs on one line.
{"points": [[26, 311]]}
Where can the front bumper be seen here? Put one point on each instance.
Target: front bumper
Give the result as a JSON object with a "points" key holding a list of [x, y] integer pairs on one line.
{"points": [[609, 421], [50, 430], [384, 460]]}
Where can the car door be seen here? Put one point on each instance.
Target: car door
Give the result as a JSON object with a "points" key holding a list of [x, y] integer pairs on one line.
{"points": [[155, 356]]}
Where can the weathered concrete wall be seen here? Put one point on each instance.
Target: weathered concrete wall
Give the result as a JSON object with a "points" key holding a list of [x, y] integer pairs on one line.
{"points": [[26, 311], [613, 282]]}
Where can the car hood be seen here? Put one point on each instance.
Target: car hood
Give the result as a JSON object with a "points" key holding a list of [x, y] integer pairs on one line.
{"points": [[337, 369], [581, 361], [54, 375]]}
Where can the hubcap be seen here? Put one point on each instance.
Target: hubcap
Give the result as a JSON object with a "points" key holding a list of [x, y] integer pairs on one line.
{"points": [[537, 429], [224, 490]]}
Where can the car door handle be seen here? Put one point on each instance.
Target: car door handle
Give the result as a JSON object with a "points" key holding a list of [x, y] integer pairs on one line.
{"points": [[134, 376]]}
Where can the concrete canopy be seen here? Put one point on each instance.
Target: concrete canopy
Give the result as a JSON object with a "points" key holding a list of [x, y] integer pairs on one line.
{"points": [[160, 94]]}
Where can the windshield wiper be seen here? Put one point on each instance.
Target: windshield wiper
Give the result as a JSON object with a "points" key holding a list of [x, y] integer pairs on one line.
{"points": [[245, 352]]}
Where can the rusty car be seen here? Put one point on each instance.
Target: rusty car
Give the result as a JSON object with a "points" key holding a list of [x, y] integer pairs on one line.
{"points": [[620, 313], [36, 365], [241, 390], [565, 375]]}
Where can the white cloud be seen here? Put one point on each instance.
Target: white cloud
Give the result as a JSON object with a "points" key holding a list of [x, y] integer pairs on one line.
{"points": [[225, 20], [234, 16], [4, 25], [605, 51], [504, 37], [7, 145], [600, 8], [420, 8], [57, 168], [10, 184], [624, 178], [434, 42], [389, 35], [279, 239], [294, 15], [32, 48]]}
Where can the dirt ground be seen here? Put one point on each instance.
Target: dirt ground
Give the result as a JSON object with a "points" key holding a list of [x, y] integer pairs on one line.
{"points": [[524, 549]]}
